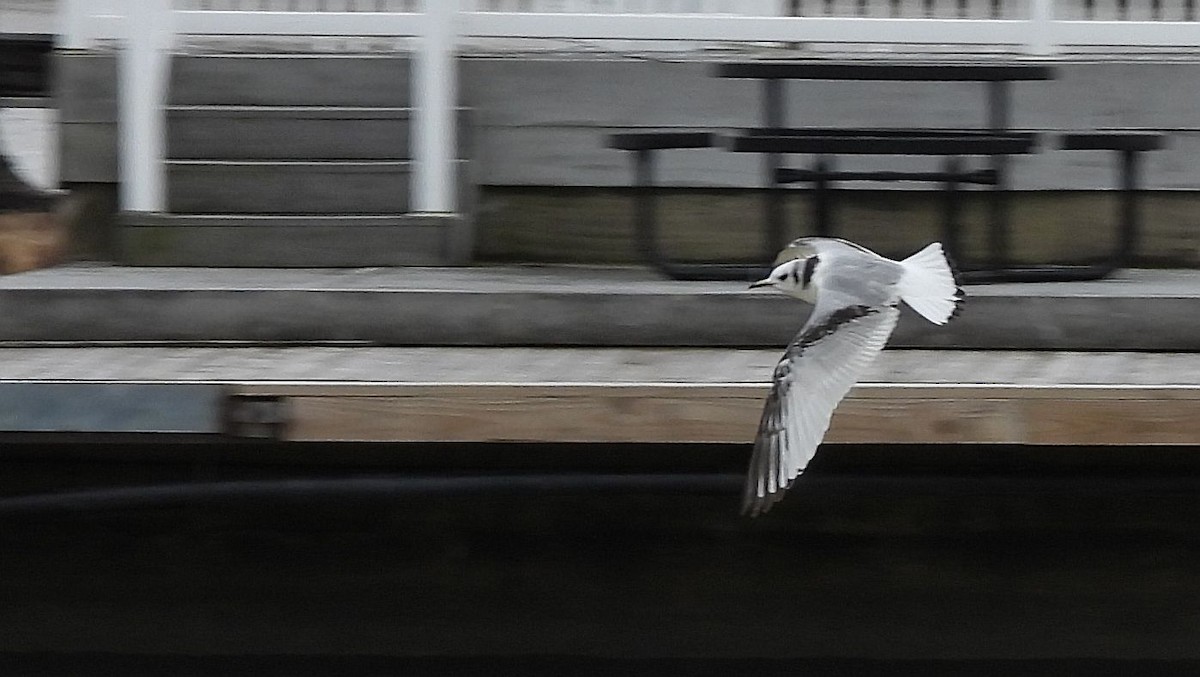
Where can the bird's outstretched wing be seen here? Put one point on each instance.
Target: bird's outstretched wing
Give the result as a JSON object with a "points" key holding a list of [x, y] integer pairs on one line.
{"points": [[819, 367]]}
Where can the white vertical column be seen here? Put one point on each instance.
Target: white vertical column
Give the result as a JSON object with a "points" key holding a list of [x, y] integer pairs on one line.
{"points": [[142, 89], [72, 24], [1041, 27], [435, 119]]}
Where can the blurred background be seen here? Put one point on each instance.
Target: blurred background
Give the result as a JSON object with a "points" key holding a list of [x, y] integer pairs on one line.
{"points": [[401, 336], [534, 178]]}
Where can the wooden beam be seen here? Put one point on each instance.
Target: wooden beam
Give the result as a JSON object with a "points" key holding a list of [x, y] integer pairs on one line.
{"points": [[729, 412], [533, 419]]}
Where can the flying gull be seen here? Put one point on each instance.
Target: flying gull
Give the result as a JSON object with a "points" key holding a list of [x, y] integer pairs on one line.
{"points": [[855, 295]]}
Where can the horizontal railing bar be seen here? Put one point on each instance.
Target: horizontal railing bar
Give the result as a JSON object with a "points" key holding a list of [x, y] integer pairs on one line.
{"points": [[1126, 33], [745, 28], [299, 23], [669, 27]]}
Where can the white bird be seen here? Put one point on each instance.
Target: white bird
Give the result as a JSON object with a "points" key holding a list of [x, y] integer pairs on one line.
{"points": [[855, 295]]}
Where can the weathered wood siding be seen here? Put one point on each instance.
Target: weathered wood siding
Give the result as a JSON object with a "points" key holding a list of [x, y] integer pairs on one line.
{"points": [[553, 132], [542, 121]]}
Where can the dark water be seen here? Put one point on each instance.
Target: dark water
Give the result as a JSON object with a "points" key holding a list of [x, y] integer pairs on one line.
{"points": [[581, 560], [560, 666]]}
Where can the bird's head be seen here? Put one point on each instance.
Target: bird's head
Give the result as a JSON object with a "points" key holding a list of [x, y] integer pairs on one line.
{"points": [[794, 278]]}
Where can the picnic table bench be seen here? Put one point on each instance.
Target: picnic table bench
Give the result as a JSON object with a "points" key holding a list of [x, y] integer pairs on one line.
{"points": [[996, 142]]}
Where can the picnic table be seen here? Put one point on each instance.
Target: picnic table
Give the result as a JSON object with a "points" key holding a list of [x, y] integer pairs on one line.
{"points": [[994, 142]]}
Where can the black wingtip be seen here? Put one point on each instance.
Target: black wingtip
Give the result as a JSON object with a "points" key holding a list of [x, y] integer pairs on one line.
{"points": [[753, 506], [960, 296]]}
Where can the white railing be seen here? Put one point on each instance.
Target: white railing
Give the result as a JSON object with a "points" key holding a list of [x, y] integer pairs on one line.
{"points": [[439, 27], [27, 16], [37, 16]]}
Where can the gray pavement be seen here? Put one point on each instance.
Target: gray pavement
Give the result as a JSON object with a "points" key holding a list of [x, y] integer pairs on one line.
{"points": [[555, 306]]}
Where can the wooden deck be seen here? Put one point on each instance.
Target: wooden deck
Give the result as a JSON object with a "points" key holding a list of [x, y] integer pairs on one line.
{"points": [[646, 395], [672, 413]]}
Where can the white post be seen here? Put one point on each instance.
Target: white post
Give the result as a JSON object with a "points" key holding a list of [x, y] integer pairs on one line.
{"points": [[72, 24], [1041, 27], [142, 89], [435, 119]]}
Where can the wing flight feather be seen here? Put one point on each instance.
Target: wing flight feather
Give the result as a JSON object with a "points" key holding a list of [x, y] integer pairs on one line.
{"points": [[817, 370]]}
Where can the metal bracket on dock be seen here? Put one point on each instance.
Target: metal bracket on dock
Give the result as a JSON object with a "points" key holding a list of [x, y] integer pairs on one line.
{"points": [[256, 416]]}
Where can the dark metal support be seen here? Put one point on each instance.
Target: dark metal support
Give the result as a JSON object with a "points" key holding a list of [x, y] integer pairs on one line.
{"points": [[823, 197], [774, 142], [1128, 146], [998, 213], [1130, 198], [645, 215], [645, 205], [774, 231], [950, 221], [645, 226]]}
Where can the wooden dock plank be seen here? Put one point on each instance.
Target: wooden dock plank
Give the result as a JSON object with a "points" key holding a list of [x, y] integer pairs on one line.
{"points": [[541, 417], [878, 413], [1124, 421], [658, 395], [931, 421]]}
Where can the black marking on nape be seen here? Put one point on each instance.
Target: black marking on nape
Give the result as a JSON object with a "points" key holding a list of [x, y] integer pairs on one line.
{"points": [[810, 266], [836, 319]]}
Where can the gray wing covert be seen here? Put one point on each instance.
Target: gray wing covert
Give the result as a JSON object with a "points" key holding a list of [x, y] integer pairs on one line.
{"points": [[854, 276], [817, 370]]}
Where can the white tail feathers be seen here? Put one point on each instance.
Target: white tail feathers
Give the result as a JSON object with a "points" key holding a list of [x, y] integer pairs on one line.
{"points": [[928, 285]]}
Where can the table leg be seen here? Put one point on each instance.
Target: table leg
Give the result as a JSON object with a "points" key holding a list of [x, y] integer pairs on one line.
{"points": [[1129, 212], [645, 208], [950, 225], [647, 237], [998, 217], [773, 114], [998, 240], [823, 198]]}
